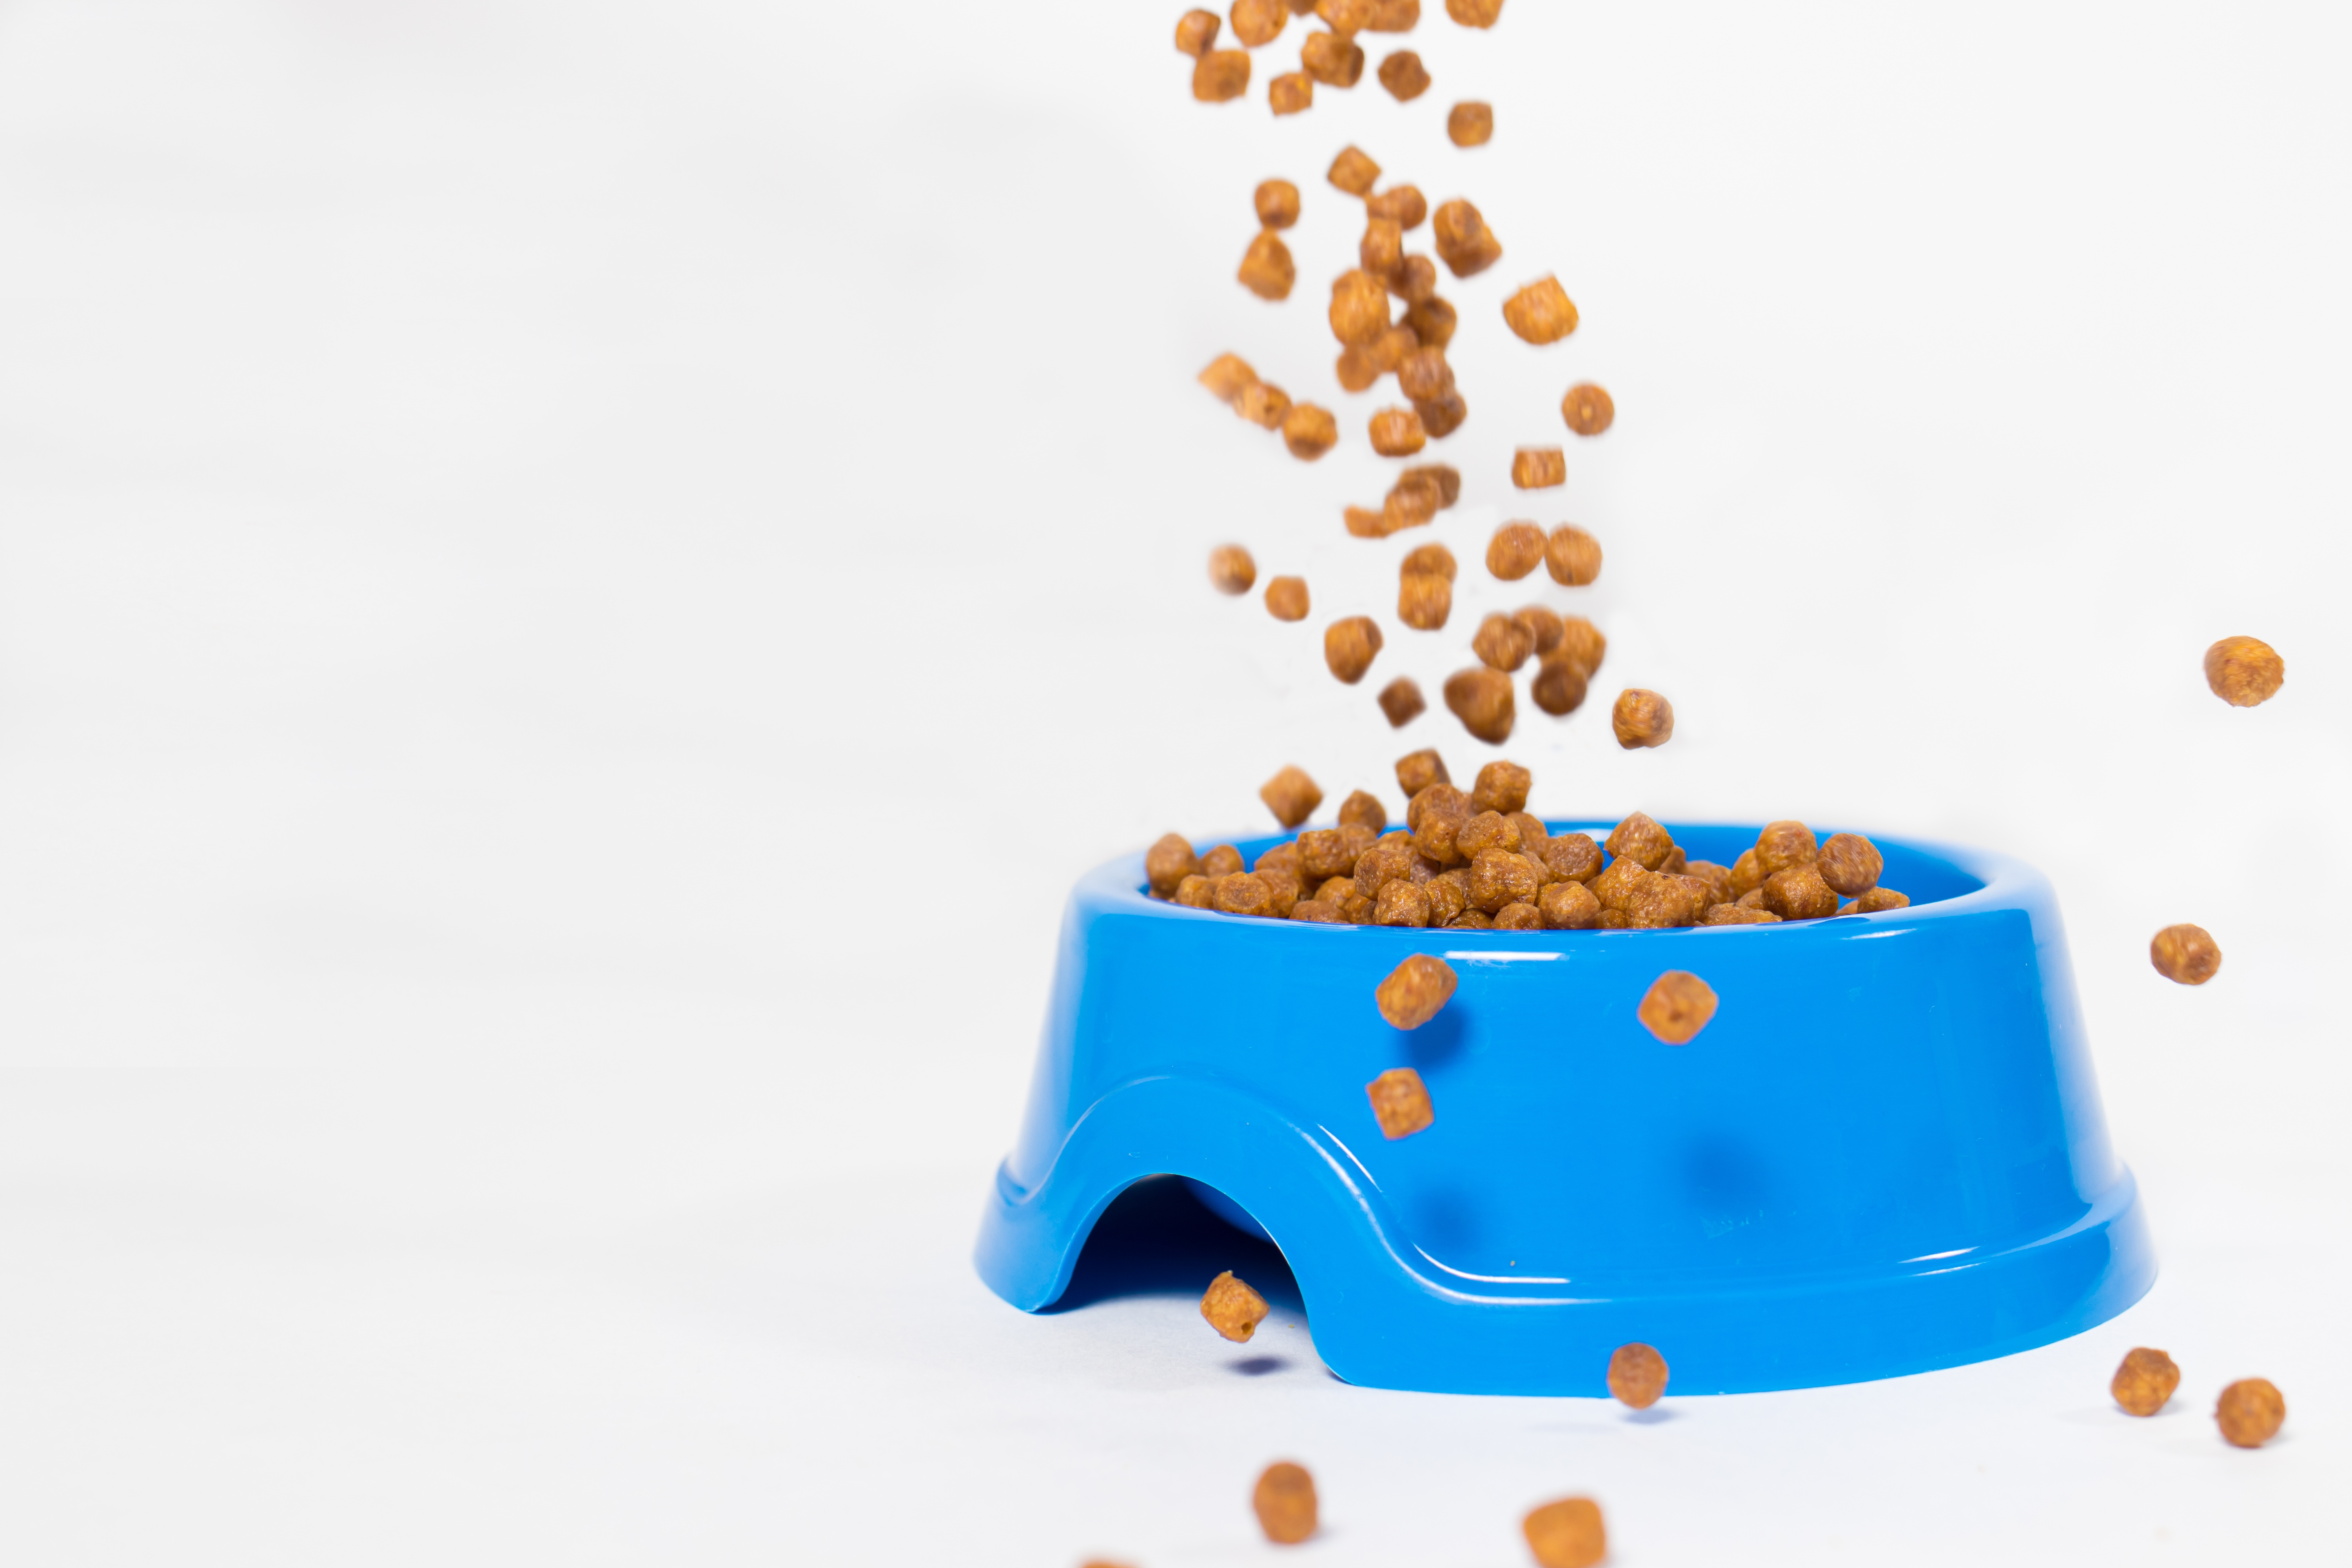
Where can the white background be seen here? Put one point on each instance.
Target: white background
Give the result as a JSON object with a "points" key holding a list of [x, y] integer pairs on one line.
{"points": [[577, 581]]}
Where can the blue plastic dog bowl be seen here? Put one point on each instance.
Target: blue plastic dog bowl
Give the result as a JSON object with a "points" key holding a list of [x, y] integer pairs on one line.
{"points": [[1885, 1154]]}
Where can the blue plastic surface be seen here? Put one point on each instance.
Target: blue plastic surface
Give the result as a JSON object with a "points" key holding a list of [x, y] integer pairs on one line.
{"points": [[1886, 1153]]}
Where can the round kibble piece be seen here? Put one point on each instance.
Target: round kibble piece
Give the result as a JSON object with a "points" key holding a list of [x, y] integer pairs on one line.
{"points": [[1572, 556], [1285, 1501], [1400, 1102], [1231, 570], [1502, 643], [1418, 769], [1518, 916], [1397, 433], [1781, 845], [1877, 898], [1569, 906], [1285, 598], [1430, 557], [1197, 893], [1277, 203], [2144, 1381], [1501, 786], [1316, 912], [1559, 687], [1517, 549], [1360, 308], [1392, 15], [1849, 864], [1474, 12], [1470, 124], [1588, 409], [1220, 75], [1571, 857], [1678, 1005], [1487, 830], [1259, 22], [1380, 252], [1482, 699], [1308, 431], [1568, 1533], [1799, 894], [1642, 719], [1334, 60], [1363, 809], [1425, 600], [1403, 75], [1167, 862], [1243, 893], [1415, 991], [1196, 33], [1267, 270], [1293, 92], [1538, 467], [1220, 862], [2244, 671], [1389, 350], [1349, 646], [1354, 171], [1581, 641], [1640, 838], [1423, 375], [1355, 369], [1433, 320], [1402, 203], [1637, 1376], [1402, 702], [1233, 1309], [1541, 624], [2185, 953], [1400, 904], [1441, 417], [1348, 17], [2251, 1411], [1733, 915], [1541, 313]]}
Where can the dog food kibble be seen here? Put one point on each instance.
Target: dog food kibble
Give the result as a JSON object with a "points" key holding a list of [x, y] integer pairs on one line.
{"points": [[1400, 903], [1733, 915], [1348, 17], [1220, 75], [1402, 204], [1640, 838], [1482, 699], [1231, 570], [1781, 845], [1360, 308], [1354, 171], [2144, 1381], [1850, 863], [1499, 878], [1434, 558], [1414, 991], [1568, 1533], [1470, 124], [1877, 898], [1223, 860], [1333, 60], [1349, 646], [1363, 809], [1542, 626], [1441, 417], [1267, 270], [1559, 687], [2251, 1412], [1642, 719], [1293, 92], [1397, 433], [1433, 320], [1569, 906], [1399, 1100], [1517, 549], [1259, 22], [1501, 787], [1423, 375], [1588, 409], [1518, 917], [1355, 369], [1233, 1309], [1425, 599], [1418, 770], [1570, 856], [1474, 12], [1464, 243], [1799, 893], [1227, 376], [1291, 795], [1167, 862], [1487, 830], [1308, 431], [1581, 641], [1637, 1376], [1242, 893], [1382, 251], [1541, 313], [1677, 1007], [2244, 671], [1285, 1501], [1391, 349], [1402, 702], [1264, 406], [1403, 74], [1277, 203], [1538, 467], [1285, 598], [2185, 953], [1196, 33], [1394, 16], [1502, 643], [1196, 892], [1572, 556]]}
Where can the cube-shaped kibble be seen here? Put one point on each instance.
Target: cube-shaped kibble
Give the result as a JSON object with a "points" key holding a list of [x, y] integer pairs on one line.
{"points": [[1354, 171], [1678, 1006], [1470, 124], [1541, 313], [1233, 1309], [1568, 1533], [1538, 467], [1415, 991], [1291, 795], [1399, 1100]]}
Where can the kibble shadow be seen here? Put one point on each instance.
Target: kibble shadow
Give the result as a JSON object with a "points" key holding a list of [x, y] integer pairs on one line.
{"points": [[1438, 1041], [1259, 1366], [1155, 1240], [1651, 1417]]}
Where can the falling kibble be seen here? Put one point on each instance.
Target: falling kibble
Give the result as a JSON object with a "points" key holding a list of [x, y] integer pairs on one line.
{"points": [[1293, 92], [1541, 313], [1277, 202], [1291, 795], [2185, 953], [1483, 701], [1470, 124], [1517, 549], [1567, 1534], [1332, 59], [1285, 1501], [1196, 33], [1400, 1099], [1285, 598], [1227, 377], [1849, 864], [1637, 1376], [1588, 409], [1220, 75], [1397, 433], [1538, 467], [1425, 600], [1310, 431], [1360, 308], [1354, 171], [1559, 686], [1267, 270], [1502, 643], [1464, 243], [1403, 75], [2144, 1381], [1257, 23], [1233, 1309], [1415, 991], [1474, 12], [1572, 556], [1679, 1005], [1231, 570], [1402, 702], [2251, 1412], [1265, 406], [2244, 672], [1642, 719], [1404, 205], [1350, 646]]}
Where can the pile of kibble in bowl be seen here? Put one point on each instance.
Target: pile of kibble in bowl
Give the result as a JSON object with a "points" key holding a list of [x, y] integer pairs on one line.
{"points": [[1478, 860]]}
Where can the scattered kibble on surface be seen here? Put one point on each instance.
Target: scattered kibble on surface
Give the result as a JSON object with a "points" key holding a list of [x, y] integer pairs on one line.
{"points": [[2144, 1381], [1517, 549], [1354, 171], [1196, 33], [1568, 1533], [1538, 467], [1310, 431], [2185, 953], [1588, 409], [1678, 1007], [1572, 556], [1483, 701], [1404, 76], [1350, 646], [1220, 76], [1400, 1099], [1233, 1309], [1277, 202], [1267, 270], [1415, 991], [1641, 718], [1541, 313], [1285, 1501], [1637, 1376], [1285, 598], [1397, 433], [2244, 671], [1470, 124], [2250, 1412], [1231, 570]]}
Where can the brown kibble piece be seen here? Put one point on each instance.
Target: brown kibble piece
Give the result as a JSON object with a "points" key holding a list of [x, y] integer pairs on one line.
{"points": [[2144, 1381], [1517, 549], [1541, 313], [1397, 433], [1400, 904], [1285, 598], [1227, 376], [1402, 204], [1429, 557], [1167, 862], [1616, 886], [1501, 786], [1259, 22], [1355, 369], [1285, 1501], [1267, 270], [1196, 33], [1542, 626], [1498, 877], [1474, 12], [1518, 916], [1333, 60], [1413, 282], [1423, 375], [1570, 856], [1425, 600], [1486, 830], [1324, 853], [1390, 349], [1349, 646], [1264, 406], [2185, 953], [1220, 75], [1581, 641], [2244, 671], [1849, 864], [1420, 770], [2251, 1411], [1663, 901], [1747, 872], [1538, 467], [1588, 409], [1717, 877], [1464, 243], [1231, 570], [1433, 320], [1640, 838], [1569, 906], [1409, 503], [1197, 892], [1292, 92], [1733, 915], [1678, 1006], [1877, 898], [1314, 911], [1310, 431], [1400, 1099], [1277, 203], [1291, 795], [1414, 991], [1354, 171], [1572, 556], [1781, 845], [1242, 893], [1799, 894], [1642, 719], [1637, 1376], [1221, 862], [1363, 809], [1471, 124], [1482, 699], [1348, 16], [1360, 308], [1403, 74], [1394, 16], [1568, 1533], [1436, 818], [1233, 1309], [1382, 250], [1402, 702], [1502, 643], [1440, 417], [1559, 687]]}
